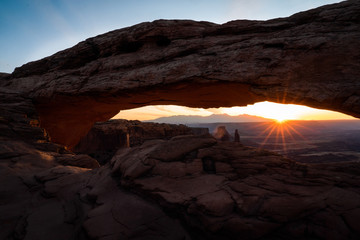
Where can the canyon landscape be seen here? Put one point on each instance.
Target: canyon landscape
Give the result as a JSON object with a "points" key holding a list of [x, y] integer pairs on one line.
{"points": [[302, 141], [66, 172]]}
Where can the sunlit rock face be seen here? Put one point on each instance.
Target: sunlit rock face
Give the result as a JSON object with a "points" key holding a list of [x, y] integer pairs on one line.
{"points": [[310, 58]]}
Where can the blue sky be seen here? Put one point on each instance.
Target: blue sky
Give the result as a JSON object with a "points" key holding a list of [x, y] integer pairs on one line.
{"points": [[33, 29]]}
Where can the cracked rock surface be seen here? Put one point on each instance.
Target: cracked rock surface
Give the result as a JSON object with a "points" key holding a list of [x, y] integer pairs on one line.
{"points": [[247, 193]]}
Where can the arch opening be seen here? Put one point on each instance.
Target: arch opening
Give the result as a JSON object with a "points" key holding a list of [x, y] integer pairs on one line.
{"points": [[301, 133], [68, 118], [268, 110]]}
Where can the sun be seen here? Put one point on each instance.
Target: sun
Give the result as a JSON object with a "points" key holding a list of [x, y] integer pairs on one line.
{"points": [[278, 112], [281, 120]]}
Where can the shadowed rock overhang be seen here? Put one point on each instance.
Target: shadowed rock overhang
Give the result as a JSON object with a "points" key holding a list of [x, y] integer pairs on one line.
{"points": [[311, 58]]}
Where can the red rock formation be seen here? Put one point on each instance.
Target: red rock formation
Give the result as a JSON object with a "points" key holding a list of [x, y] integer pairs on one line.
{"points": [[310, 58], [105, 138], [222, 134]]}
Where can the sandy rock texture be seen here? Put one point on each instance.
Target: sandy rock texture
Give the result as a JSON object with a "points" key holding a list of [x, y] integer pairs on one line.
{"points": [[224, 190]]}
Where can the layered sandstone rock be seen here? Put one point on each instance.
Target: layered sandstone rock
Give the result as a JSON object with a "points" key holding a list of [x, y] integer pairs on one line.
{"points": [[310, 58], [105, 138], [26, 151]]}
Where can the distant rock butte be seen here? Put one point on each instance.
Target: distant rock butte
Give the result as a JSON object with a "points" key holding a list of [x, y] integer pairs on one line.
{"points": [[222, 134], [310, 58]]}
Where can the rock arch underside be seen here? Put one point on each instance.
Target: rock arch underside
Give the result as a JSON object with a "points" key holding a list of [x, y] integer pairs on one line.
{"points": [[311, 58]]}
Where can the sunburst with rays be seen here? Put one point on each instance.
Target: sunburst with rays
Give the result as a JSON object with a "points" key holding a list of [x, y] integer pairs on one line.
{"points": [[281, 130]]}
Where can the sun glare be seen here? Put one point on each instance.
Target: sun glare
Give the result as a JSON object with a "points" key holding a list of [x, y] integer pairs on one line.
{"points": [[280, 120], [275, 111]]}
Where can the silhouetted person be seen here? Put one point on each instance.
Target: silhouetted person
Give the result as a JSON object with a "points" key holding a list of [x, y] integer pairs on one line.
{"points": [[237, 136]]}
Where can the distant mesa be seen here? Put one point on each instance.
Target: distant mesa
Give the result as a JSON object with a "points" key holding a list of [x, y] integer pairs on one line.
{"points": [[214, 118]]}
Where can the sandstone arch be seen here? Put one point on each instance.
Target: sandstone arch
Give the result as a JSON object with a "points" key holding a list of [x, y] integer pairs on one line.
{"points": [[311, 58]]}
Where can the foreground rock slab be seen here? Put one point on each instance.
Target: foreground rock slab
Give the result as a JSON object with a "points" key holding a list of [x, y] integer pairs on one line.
{"points": [[225, 190]]}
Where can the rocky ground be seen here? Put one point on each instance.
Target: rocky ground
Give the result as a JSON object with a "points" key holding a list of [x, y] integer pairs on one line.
{"points": [[188, 187], [224, 190]]}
